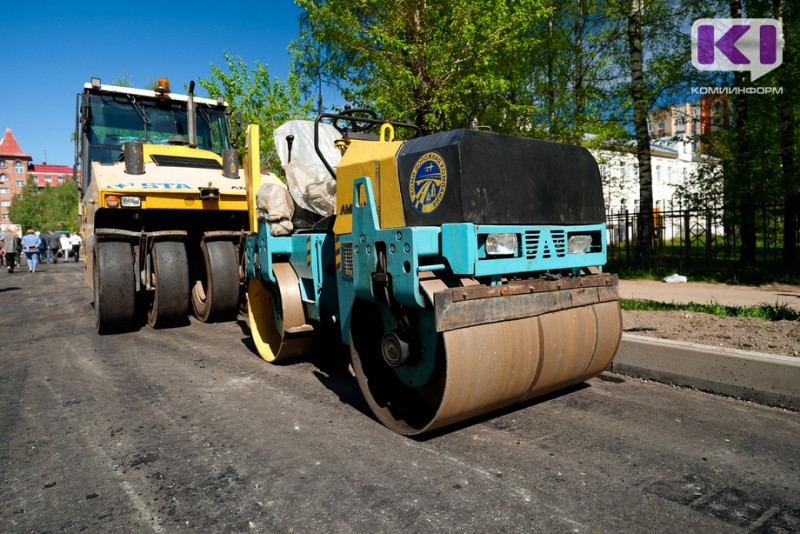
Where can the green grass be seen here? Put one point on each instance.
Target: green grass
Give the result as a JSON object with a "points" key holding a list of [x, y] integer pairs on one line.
{"points": [[767, 312], [728, 272]]}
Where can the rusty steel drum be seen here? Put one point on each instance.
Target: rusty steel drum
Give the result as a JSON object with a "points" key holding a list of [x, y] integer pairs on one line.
{"points": [[484, 367]]}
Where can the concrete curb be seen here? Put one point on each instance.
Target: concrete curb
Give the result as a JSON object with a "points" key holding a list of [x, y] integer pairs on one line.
{"points": [[755, 376]]}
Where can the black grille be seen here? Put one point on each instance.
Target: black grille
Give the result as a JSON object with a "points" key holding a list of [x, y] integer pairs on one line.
{"points": [[531, 248], [178, 161]]}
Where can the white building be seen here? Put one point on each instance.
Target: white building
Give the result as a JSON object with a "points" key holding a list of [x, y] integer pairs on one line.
{"points": [[673, 162]]}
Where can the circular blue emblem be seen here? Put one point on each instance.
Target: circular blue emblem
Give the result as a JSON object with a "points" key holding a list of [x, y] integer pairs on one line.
{"points": [[428, 182]]}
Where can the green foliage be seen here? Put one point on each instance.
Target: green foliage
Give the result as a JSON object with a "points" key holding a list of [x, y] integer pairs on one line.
{"points": [[766, 312], [562, 69], [702, 188], [123, 80], [259, 99], [438, 64], [757, 144], [575, 72], [52, 208]]}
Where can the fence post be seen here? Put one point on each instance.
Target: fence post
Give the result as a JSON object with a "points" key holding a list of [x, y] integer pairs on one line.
{"points": [[627, 237], [687, 229]]}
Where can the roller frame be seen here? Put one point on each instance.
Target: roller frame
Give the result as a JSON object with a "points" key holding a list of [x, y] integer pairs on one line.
{"points": [[452, 248]]}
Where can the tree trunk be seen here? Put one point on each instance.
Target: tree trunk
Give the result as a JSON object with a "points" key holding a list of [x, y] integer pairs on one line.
{"points": [[744, 185], [644, 241], [551, 83], [788, 163], [577, 77]]}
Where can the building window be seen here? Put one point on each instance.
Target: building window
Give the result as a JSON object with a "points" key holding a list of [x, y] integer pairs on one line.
{"points": [[20, 183], [18, 168], [3, 178], [3, 190], [661, 125], [61, 179], [5, 216], [5, 203], [48, 179], [3, 164]]}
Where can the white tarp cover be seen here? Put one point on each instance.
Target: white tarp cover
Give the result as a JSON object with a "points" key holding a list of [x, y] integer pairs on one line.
{"points": [[311, 185], [274, 202]]}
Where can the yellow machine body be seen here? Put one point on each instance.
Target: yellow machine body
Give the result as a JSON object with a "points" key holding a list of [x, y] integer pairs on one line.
{"points": [[376, 160]]}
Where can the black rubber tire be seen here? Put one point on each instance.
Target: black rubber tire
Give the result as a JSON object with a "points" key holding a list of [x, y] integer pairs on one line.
{"points": [[114, 287], [170, 272], [215, 293]]}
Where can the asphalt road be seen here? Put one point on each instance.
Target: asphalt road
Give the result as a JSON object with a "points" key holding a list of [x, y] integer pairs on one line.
{"points": [[188, 430]]}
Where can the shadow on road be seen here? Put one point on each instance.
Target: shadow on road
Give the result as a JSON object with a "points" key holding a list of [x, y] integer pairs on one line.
{"points": [[333, 372]]}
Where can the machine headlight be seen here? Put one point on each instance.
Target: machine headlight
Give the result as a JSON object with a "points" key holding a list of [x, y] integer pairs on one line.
{"points": [[501, 244], [579, 244], [130, 202], [112, 201]]}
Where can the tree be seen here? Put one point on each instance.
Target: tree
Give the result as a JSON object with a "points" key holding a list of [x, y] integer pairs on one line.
{"points": [[659, 71], [759, 148], [790, 16], [435, 63], [644, 242], [26, 210], [52, 208], [259, 99], [574, 70]]}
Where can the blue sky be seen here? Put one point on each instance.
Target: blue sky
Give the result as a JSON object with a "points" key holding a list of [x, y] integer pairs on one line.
{"points": [[50, 49]]}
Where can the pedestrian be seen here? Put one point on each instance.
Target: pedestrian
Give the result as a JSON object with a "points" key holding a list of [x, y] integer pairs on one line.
{"points": [[52, 247], [8, 257], [42, 245], [75, 241], [31, 245], [66, 246]]}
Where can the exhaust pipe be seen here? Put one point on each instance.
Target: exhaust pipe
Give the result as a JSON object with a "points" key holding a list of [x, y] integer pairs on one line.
{"points": [[134, 157], [230, 163], [191, 123]]}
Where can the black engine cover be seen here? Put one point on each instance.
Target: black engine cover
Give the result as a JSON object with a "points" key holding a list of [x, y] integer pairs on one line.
{"points": [[487, 178]]}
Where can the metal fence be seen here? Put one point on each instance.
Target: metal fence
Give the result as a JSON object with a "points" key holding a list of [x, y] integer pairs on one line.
{"points": [[700, 236]]}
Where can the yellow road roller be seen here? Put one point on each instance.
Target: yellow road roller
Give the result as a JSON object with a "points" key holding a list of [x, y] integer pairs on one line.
{"points": [[163, 206], [462, 268]]}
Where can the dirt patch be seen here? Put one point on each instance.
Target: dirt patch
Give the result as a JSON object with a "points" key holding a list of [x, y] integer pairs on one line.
{"points": [[745, 333]]}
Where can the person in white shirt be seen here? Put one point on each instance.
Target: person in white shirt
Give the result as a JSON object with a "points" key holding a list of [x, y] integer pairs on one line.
{"points": [[75, 242], [66, 246]]}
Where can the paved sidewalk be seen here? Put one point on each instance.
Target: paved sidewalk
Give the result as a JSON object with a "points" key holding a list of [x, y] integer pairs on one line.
{"points": [[708, 293]]}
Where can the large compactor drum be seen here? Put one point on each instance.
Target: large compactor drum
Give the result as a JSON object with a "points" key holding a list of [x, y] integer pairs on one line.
{"points": [[462, 268]]}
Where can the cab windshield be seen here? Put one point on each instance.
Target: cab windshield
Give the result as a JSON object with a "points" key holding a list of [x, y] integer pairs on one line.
{"points": [[117, 118]]}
